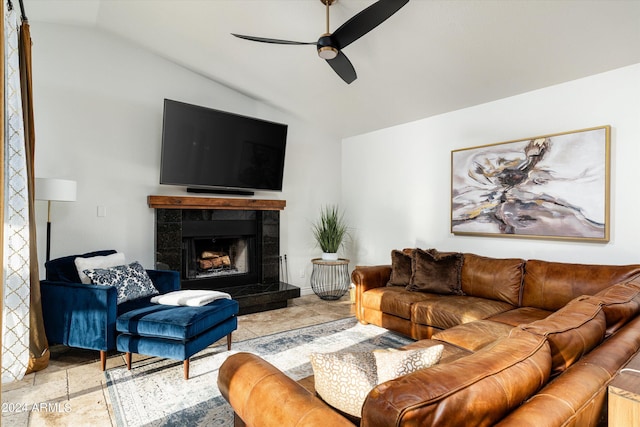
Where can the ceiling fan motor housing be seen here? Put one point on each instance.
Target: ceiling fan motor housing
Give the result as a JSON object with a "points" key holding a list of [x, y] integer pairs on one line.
{"points": [[326, 47]]}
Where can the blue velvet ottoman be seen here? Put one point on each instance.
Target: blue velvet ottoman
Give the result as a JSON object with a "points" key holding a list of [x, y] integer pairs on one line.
{"points": [[175, 332]]}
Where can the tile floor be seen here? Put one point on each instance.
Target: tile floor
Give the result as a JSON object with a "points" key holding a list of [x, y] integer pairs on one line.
{"points": [[72, 390]]}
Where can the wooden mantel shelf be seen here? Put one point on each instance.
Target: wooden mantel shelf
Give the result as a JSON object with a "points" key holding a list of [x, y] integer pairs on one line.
{"points": [[180, 202]]}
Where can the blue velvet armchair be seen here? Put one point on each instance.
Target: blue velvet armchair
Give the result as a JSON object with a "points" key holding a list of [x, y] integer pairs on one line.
{"points": [[84, 316]]}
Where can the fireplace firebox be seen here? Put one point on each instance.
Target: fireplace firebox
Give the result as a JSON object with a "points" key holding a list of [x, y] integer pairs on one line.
{"points": [[220, 257], [219, 248], [235, 250]]}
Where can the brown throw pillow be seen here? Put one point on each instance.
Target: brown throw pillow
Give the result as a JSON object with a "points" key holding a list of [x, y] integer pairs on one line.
{"points": [[439, 275], [400, 268]]}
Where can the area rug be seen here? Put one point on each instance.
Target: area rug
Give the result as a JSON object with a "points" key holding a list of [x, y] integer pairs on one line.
{"points": [[155, 393]]}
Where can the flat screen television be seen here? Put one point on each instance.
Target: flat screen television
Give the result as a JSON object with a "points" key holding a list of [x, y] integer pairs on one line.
{"points": [[209, 150]]}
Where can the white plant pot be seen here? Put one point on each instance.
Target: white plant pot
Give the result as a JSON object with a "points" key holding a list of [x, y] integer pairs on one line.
{"points": [[329, 256]]}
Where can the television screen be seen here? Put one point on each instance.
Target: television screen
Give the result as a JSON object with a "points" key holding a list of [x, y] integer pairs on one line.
{"points": [[207, 148]]}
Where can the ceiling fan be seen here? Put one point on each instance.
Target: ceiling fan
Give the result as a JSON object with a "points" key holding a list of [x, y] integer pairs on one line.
{"points": [[330, 45]]}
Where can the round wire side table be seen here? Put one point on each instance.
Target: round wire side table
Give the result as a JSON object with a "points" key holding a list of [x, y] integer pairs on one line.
{"points": [[330, 279]]}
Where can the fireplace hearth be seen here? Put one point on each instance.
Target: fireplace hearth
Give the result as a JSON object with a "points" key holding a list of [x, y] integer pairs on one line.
{"points": [[224, 244]]}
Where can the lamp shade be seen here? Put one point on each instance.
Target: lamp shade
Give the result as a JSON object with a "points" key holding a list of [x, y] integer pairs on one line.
{"points": [[59, 190]]}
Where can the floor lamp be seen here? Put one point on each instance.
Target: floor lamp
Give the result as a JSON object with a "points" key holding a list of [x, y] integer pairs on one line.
{"points": [[54, 190]]}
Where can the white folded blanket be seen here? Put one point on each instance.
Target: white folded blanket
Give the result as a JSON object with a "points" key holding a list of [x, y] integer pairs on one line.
{"points": [[190, 297]]}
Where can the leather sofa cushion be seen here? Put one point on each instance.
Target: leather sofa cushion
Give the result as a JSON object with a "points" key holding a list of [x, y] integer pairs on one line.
{"points": [[436, 274], [493, 278], [587, 381], [394, 300], [520, 316], [450, 352], [453, 310], [568, 400], [572, 332], [551, 285], [474, 335], [390, 322], [489, 384], [620, 304]]}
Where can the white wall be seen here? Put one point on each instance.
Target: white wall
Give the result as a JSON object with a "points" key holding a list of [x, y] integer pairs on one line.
{"points": [[396, 181], [98, 113]]}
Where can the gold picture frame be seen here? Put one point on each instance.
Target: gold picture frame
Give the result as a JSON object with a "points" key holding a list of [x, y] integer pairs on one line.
{"points": [[547, 187]]}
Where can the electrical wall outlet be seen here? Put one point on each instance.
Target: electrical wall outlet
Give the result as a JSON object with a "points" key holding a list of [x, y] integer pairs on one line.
{"points": [[303, 273]]}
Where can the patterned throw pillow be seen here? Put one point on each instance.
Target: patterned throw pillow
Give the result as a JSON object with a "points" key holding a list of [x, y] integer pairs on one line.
{"points": [[131, 281], [344, 380], [393, 364]]}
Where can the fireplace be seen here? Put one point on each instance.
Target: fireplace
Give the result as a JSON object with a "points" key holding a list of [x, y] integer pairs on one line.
{"points": [[232, 249], [219, 257], [220, 248]]}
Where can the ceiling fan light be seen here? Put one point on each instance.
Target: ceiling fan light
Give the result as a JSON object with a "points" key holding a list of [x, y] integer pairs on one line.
{"points": [[327, 52]]}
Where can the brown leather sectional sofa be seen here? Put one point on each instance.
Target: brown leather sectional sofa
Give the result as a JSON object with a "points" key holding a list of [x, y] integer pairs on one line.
{"points": [[529, 343]]}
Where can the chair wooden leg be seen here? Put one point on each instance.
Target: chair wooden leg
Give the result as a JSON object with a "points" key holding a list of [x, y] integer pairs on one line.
{"points": [[103, 360], [237, 421], [127, 357], [186, 369], [229, 341]]}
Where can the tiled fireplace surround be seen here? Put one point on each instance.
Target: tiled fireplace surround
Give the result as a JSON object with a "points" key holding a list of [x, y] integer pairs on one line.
{"points": [[179, 219]]}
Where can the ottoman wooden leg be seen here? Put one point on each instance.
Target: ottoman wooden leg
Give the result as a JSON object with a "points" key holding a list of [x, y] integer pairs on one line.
{"points": [[127, 357], [228, 341], [103, 359], [186, 369]]}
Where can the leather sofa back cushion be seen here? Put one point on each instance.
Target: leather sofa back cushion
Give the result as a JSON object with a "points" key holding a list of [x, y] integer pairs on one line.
{"points": [[571, 331], [620, 303], [551, 285], [493, 278], [436, 274], [488, 384], [401, 262]]}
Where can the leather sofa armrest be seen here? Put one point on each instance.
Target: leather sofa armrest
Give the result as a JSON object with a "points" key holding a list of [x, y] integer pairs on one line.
{"points": [[370, 277], [79, 315], [366, 278], [260, 394]]}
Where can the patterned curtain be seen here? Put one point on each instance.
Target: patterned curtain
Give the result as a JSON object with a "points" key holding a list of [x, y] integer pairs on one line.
{"points": [[24, 345], [2, 180]]}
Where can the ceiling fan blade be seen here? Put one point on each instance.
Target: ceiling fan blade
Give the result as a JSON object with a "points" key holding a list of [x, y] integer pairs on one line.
{"points": [[343, 67], [266, 40], [365, 21]]}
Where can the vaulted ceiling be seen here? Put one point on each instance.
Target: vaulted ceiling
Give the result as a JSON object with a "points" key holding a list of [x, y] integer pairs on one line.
{"points": [[431, 57]]}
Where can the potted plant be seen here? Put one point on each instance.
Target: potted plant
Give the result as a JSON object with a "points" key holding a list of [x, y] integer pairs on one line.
{"points": [[330, 231]]}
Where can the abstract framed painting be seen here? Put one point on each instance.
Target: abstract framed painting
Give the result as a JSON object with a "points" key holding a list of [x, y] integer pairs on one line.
{"points": [[547, 187]]}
